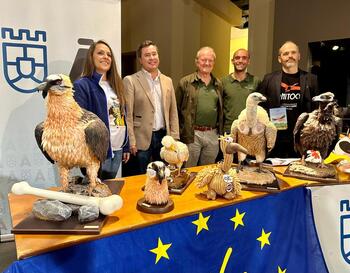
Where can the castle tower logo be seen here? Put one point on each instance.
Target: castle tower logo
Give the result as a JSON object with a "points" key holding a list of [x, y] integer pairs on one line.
{"points": [[24, 58]]}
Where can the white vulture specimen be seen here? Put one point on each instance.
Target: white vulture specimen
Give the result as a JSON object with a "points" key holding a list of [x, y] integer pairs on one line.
{"points": [[253, 130], [174, 152], [70, 135], [318, 130], [156, 186]]}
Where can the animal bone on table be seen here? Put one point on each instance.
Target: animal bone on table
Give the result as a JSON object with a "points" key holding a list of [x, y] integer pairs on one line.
{"points": [[106, 205]]}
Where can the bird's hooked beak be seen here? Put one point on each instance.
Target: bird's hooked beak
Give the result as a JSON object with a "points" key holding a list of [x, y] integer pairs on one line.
{"points": [[262, 98], [255, 98], [163, 173], [232, 148], [48, 83], [54, 82], [158, 170], [324, 97]]}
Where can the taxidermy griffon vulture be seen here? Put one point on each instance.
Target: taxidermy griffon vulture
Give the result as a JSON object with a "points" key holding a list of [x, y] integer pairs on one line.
{"points": [[253, 130], [318, 130], [70, 135]]}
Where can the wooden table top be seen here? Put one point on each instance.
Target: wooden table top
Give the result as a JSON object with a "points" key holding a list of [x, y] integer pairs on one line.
{"points": [[128, 217]]}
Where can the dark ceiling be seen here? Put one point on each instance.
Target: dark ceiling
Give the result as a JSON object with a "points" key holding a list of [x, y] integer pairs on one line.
{"points": [[242, 4]]}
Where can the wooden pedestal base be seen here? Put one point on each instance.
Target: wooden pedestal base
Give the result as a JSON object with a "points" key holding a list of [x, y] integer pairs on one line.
{"points": [[143, 206]]}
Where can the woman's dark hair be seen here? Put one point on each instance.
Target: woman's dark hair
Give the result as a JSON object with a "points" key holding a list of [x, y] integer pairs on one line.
{"points": [[112, 74]]}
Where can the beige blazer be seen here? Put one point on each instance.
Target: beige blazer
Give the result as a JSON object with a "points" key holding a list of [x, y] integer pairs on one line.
{"points": [[140, 109]]}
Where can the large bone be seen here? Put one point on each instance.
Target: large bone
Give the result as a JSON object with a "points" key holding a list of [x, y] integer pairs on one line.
{"points": [[106, 205]]}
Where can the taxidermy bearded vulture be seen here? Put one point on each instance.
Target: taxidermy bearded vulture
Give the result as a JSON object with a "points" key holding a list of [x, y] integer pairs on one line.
{"points": [[253, 130], [70, 135], [319, 129], [156, 186]]}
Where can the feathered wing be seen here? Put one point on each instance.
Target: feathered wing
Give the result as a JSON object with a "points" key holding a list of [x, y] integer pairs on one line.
{"points": [[182, 151], [270, 136], [96, 135], [39, 129], [234, 130], [299, 125], [338, 122], [162, 152]]}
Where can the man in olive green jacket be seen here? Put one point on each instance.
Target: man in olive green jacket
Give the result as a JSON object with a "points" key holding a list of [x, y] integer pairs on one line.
{"points": [[199, 104]]}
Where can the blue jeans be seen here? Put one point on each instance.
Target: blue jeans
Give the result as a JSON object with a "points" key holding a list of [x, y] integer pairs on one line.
{"points": [[110, 166], [153, 152]]}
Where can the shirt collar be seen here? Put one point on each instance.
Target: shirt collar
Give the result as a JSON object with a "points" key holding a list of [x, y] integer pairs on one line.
{"points": [[196, 78], [96, 77], [149, 75], [233, 78]]}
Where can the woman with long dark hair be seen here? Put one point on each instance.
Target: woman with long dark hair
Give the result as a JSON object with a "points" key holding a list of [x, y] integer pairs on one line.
{"points": [[100, 90]]}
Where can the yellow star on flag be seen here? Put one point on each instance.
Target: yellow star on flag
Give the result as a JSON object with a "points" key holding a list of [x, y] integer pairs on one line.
{"points": [[161, 250], [238, 219], [281, 271], [201, 223], [264, 238]]}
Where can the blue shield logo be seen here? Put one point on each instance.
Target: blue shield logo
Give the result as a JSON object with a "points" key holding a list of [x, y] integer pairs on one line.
{"points": [[345, 230], [24, 59]]}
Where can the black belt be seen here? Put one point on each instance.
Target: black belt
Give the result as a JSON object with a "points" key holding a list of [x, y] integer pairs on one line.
{"points": [[202, 128]]}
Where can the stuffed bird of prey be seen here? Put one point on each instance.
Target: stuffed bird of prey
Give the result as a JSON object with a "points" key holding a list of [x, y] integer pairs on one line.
{"points": [[156, 186], [319, 129], [70, 135], [174, 152], [253, 130]]}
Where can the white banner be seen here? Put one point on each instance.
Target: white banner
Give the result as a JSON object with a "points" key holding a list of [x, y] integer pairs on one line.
{"points": [[331, 208], [38, 38]]}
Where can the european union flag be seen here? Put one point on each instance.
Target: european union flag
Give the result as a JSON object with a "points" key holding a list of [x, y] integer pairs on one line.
{"points": [[273, 234]]}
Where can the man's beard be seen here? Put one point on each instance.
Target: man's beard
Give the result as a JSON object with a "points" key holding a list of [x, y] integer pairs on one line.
{"points": [[291, 63]]}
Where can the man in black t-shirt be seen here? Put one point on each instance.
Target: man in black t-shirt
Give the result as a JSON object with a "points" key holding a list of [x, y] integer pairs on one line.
{"points": [[290, 88]]}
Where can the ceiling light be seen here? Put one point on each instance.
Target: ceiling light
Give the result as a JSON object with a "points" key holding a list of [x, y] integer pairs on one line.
{"points": [[335, 47]]}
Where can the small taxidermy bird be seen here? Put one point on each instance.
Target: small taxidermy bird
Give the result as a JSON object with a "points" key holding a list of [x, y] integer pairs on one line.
{"points": [[156, 186], [70, 136], [319, 129], [174, 152], [253, 130]]}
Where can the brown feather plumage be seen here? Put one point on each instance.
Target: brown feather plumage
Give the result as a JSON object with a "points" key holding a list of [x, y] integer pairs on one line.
{"points": [[72, 136], [317, 130]]}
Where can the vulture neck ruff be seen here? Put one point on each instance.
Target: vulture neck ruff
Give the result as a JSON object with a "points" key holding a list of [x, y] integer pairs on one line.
{"points": [[63, 107]]}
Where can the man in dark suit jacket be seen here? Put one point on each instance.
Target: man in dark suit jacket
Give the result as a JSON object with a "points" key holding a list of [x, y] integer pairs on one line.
{"points": [[151, 108], [290, 88]]}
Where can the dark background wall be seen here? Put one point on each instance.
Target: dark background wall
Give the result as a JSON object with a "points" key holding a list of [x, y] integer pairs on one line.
{"points": [[305, 21], [317, 25]]}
